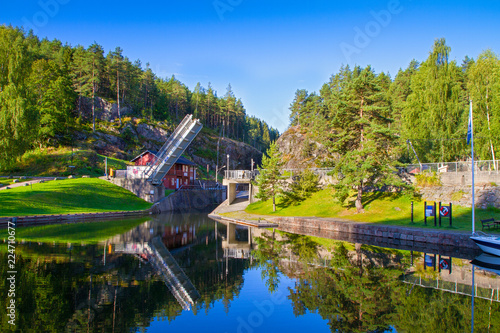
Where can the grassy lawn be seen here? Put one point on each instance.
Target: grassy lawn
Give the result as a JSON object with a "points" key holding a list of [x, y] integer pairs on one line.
{"points": [[388, 209], [85, 232], [5, 181], [82, 195]]}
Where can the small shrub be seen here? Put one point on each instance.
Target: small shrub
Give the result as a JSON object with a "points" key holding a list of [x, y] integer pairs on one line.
{"points": [[427, 179], [302, 188], [457, 196]]}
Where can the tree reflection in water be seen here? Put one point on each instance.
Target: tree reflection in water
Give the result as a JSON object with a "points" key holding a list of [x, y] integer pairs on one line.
{"points": [[362, 290], [356, 288]]}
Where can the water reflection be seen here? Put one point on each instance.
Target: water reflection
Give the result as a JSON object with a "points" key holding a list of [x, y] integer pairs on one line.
{"points": [[187, 272]]}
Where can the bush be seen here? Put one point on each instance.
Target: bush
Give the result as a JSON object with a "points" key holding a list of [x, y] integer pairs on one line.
{"points": [[427, 179], [305, 184]]}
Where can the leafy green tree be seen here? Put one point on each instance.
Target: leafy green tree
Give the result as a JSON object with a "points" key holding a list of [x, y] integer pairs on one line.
{"points": [[436, 109], [362, 136], [484, 89], [270, 180], [18, 116]]}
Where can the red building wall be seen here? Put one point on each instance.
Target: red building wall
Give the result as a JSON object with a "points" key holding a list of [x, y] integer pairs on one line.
{"points": [[179, 174], [145, 159]]}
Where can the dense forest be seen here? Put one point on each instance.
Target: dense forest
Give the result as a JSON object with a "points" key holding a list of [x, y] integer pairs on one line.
{"points": [[43, 85], [360, 114]]}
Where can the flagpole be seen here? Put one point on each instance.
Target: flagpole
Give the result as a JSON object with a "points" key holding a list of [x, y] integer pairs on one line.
{"points": [[472, 155]]}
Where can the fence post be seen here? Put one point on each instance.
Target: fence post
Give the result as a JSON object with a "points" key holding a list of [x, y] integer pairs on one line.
{"points": [[412, 212], [451, 210], [435, 217], [439, 213], [425, 213]]}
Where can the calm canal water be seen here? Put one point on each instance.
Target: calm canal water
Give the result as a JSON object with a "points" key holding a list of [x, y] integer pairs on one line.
{"points": [[188, 273]]}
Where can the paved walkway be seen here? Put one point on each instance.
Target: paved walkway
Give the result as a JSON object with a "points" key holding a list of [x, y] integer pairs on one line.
{"points": [[238, 206], [33, 180]]}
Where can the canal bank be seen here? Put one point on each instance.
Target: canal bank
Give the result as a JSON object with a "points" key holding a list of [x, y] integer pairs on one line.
{"points": [[408, 238], [38, 220]]}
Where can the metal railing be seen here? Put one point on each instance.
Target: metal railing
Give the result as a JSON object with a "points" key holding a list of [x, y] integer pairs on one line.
{"points": [[165, 148], [490, 294], [248, 174], [463, 166], [240, 174]]}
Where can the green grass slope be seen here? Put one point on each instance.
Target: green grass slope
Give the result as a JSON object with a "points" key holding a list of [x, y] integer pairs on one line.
{"points": [[57, 162], [83, 195], [388, 209], [88, 232]]}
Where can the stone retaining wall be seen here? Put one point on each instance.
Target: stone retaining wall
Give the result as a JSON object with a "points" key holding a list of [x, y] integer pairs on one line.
{"points": [[409, 235], [485, 195], [36, 220], [141, 188], [465, 178]]}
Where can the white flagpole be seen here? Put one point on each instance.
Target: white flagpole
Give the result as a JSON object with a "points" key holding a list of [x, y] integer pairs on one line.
{"points": [[472, 155]]}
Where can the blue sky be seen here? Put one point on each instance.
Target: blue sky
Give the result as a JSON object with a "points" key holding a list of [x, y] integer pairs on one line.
{"points": [[266, 50]]}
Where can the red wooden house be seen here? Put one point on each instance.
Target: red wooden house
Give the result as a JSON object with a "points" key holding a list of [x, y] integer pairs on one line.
{"points": [[183, 172]]}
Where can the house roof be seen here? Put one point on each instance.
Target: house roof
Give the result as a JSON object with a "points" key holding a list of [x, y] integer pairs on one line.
{"points": [[180, 160], [141, 154], [183, 160]]}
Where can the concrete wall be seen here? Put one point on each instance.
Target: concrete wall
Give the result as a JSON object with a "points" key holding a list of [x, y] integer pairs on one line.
{"points": [[136, 171], [465, 178], [190, 200], [411, 237], [141, 188]]}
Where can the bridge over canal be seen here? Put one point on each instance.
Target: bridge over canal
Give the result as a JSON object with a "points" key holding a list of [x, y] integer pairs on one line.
{"points": [[241, 180]]}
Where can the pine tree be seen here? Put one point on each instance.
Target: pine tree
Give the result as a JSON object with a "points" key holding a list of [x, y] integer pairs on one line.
{"points": [[297, 106], [270, 180], [116, 69], [54, 99], [95, 64], [361, 135], [304, 185]]}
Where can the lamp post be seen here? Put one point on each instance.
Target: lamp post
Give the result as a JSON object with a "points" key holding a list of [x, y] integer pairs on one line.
{"points": [[217, 170], [227, 166]]}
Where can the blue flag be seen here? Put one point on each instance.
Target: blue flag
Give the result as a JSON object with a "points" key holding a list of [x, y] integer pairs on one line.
{"points": [[469, 127]]}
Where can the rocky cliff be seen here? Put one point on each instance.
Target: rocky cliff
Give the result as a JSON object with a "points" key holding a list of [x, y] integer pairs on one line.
{"points": [[301, 150], [136, 135]]}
